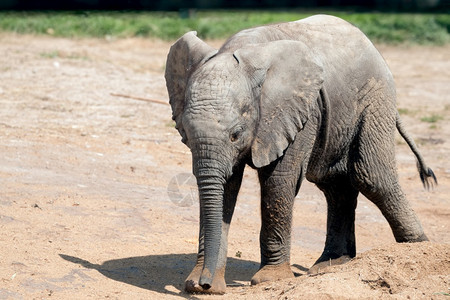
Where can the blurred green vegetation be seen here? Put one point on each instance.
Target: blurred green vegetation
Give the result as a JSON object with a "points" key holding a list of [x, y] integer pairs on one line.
{"points": [[391, 28]]}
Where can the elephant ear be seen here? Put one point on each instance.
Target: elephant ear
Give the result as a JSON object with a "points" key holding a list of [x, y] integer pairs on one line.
{"points": [[184, 56], [288, 79]]}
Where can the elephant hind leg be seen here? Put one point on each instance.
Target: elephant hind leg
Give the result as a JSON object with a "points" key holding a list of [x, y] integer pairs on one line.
{"points": [[389, 198], [340, 242], [375, 176]]}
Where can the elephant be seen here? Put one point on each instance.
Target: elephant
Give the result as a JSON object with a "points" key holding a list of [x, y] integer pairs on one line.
{"points": [[308, 99]]}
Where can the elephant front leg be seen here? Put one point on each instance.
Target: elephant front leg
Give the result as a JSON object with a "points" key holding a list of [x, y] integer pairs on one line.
{"points": [[218, 285], [277, 200], [340, 244]]}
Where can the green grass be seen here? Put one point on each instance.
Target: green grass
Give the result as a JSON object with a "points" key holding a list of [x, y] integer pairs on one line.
{"points": [[52, 54], [432, 119], [55, 54], [403, 111], [380, 27]]}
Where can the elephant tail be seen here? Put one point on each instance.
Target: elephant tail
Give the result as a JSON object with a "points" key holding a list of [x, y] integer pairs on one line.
{"points": [[426, 174]]}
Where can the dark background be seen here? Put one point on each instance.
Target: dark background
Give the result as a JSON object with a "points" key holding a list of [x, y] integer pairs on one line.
{"points": [[389, 5]]}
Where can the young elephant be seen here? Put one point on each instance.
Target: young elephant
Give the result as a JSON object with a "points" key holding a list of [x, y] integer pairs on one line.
{"points": [[311, 98]]}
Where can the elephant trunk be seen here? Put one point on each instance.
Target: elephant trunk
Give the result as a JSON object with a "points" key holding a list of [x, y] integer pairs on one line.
{"points": [[211, 180]]}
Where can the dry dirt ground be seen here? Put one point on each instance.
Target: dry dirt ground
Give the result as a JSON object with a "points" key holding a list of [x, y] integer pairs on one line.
{"points": [[96, 200]]}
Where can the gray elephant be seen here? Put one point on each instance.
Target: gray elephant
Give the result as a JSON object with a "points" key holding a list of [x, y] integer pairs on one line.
{"points": [[311, 98]]}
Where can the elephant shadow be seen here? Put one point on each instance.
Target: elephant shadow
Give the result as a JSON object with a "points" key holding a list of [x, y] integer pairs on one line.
{"points": [[158, 272]]}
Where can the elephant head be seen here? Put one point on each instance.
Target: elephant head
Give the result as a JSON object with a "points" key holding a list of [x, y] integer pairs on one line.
{"points": [[237, 106]]}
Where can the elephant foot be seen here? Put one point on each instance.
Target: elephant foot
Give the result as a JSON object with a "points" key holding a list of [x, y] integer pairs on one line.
{"points": [[272, 273], [218, 285], [322, 264], [421, 238]]}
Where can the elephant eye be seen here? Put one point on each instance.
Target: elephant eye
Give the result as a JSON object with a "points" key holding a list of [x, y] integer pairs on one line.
{"points": [[235, 135]]}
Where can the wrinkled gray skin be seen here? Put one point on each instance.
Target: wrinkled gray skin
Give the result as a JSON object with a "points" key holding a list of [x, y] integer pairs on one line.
{"points": [[311, 98]]}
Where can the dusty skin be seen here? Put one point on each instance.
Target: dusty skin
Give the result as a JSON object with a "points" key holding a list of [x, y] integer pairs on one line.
{"points": [[84, 205]]}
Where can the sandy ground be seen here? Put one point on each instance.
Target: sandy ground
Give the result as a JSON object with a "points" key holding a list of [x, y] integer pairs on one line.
{"points": [[96, 200]]}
